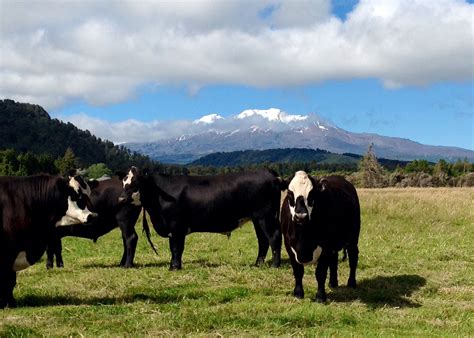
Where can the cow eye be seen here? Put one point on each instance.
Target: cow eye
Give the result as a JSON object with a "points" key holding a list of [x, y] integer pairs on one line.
{"points": [[291, 198]]}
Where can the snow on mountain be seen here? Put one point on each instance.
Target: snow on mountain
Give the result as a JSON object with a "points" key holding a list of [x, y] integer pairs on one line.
{"points": [[208, 119], [273, 128], [272, 114]]}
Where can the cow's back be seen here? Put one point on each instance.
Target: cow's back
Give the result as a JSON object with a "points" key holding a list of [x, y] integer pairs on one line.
{"points": [[219, 201], [336, 212]]}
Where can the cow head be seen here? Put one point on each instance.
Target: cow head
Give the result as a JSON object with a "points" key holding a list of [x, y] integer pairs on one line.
{"points": [[300, 202], [300, 197], [131, 192], [78, 202]]}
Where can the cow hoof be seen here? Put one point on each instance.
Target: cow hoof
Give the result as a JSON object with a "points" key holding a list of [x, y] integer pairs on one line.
{"points": [[9, 304], [321, 297], [352, 284], [298, 293], [260, 261], [49, 266], [60, 265], [333, 284], [128, 266], [175, 268]]}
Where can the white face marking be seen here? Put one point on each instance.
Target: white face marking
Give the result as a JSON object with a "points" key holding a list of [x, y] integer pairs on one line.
{"points": [[300, 185], [21, 262], [128, 179], [316, 254], [74, 214], [77, 187]]}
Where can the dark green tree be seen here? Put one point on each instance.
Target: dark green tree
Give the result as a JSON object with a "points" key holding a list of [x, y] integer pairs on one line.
{"points": [[371, 172], [67, 162]]}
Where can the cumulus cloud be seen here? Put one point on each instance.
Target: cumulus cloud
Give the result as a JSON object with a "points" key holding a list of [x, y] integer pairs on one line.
{"points": [[102, 52]]}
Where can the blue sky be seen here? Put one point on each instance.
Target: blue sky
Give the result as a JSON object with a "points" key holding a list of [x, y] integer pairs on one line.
{"points": [[389, 67]]}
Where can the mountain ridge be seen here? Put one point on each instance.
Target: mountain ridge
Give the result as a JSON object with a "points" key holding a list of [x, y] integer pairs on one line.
{"points": [[255, 129]]}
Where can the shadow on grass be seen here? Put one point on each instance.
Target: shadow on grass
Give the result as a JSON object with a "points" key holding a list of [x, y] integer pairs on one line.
{"points": [[393, 291], [116, 265], [169, 295]]}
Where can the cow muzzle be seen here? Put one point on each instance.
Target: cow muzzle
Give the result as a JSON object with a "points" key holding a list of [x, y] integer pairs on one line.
{"points": [[92, 218], [300, 216]]}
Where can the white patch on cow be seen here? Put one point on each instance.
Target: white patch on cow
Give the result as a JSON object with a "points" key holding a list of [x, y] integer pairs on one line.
{"points": [[77, 186], [316, 253], [170, 235], [136, 199], [300, 185], [21, 262], [128, 179], [74, 214]]}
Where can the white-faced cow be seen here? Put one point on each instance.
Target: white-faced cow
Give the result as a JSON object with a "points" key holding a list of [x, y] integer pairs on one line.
{"points": [[30, 209], [180, 205], [112, 214], [320, 217]]}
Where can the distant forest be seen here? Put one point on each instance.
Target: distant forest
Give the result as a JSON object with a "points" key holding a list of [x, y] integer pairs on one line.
{"points": [[31, 142]]}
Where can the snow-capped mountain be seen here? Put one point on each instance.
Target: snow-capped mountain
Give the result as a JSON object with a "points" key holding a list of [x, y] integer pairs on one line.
{"points": [[274, 128]]}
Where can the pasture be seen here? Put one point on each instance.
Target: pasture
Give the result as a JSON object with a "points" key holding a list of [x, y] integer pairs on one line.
{"points": [[415, 277]]}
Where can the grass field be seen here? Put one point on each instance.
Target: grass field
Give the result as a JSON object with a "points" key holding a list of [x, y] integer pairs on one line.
{"points": [[415, 276]]}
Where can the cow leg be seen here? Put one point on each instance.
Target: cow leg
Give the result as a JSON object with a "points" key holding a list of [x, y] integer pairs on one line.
{"points": [[177, 248], [49, 256], [333, 282], [54, 249], [321, 274], [7, 283], [298, 272], [59, 254], [274, 237], [263, 243], [353, 253], [130, 239]]}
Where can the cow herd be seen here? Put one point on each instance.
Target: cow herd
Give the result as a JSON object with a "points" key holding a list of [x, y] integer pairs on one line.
{"points": [[318, 217]]}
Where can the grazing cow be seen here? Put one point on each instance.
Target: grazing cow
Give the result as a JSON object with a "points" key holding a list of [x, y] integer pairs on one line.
{"points": [[320, 218], [179, 205], [30, 209], [112, 214]]}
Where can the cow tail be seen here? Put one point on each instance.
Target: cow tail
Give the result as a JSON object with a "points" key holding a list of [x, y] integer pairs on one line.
{"points": [[146, 230]]}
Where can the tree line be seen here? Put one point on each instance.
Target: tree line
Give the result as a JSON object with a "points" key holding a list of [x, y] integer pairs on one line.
{"points": [[367, 173]]}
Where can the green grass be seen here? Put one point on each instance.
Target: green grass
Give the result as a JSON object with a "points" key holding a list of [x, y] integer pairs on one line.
{"points": [[415, 275]]}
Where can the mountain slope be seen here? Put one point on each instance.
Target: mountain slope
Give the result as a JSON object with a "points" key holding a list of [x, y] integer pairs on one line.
{"points": [[273, 128]]}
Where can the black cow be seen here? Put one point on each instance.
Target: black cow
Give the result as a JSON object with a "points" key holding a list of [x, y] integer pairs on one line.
{"points": [[112, 214], [30, 209], [179, 205], [320, 218]]}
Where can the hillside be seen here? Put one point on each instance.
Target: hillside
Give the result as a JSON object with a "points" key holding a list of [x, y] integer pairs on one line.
{"points": [[287, 155], [26, 127]]}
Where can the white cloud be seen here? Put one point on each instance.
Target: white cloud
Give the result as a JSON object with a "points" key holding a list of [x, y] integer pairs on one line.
{"points": [[102, 52], [139, 131]]}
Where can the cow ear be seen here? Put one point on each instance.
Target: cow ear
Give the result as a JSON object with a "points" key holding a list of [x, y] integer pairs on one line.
{"points": [[323, 184], [93, 184], [71, 173]]}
